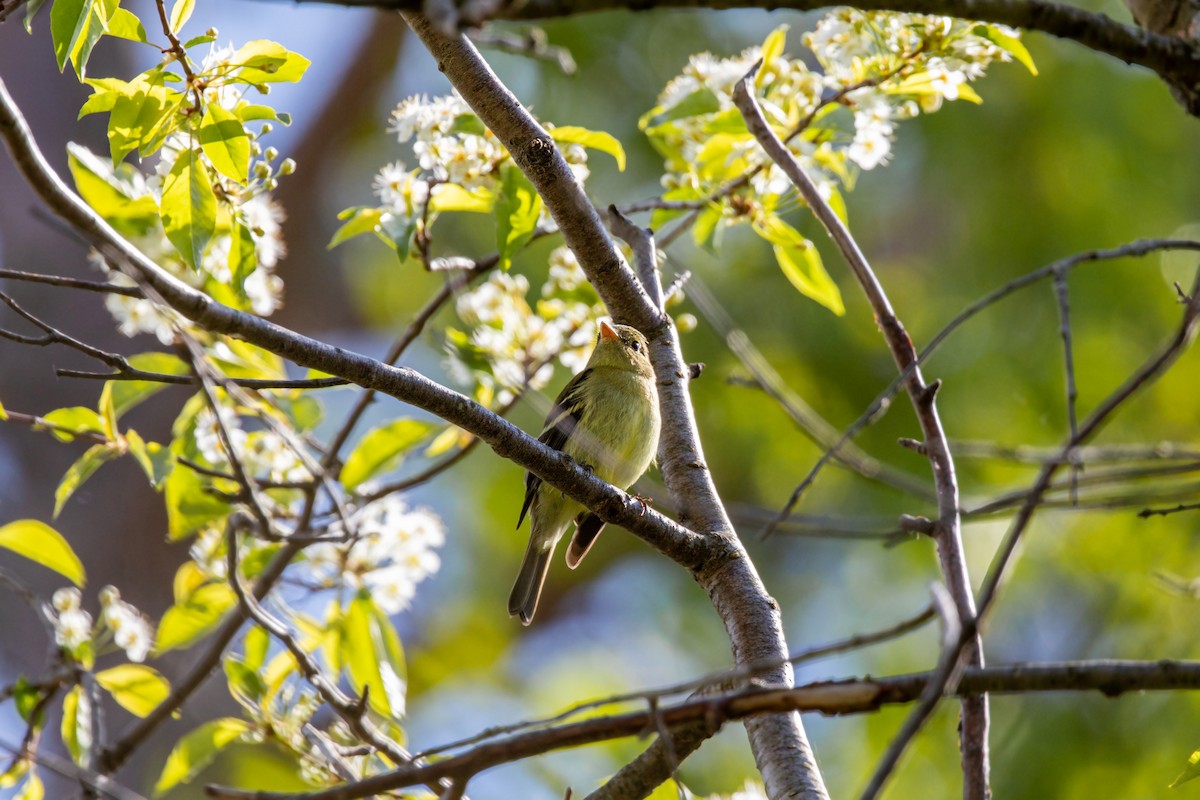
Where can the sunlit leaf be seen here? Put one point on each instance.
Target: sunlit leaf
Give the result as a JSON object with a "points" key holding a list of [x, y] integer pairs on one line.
{"points": [[125, 395], [154, 459], [189, 207], [67, 423], [136, 688], [1190, 773], [197, 749], [75, 727], [373, 656], [383, 448], [225, 142], [40, 543], [187, 622], [264, 61], [181, 12], [518, 207], [1011, 44], [452, 197], [359, 220], [594, 140], [124, 24]]}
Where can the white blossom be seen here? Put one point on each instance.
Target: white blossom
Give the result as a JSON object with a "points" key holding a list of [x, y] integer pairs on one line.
{"points": [[131, 630]]}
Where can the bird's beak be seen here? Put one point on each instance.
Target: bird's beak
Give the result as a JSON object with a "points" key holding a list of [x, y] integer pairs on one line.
{"points": [[608, 331]]}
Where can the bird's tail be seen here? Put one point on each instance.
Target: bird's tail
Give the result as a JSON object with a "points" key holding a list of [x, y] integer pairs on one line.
{"points": [[528, 588]]}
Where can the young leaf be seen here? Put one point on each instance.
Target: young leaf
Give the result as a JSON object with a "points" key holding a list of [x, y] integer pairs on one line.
{"points": [[154, 459], [382, 449], [373, 656], [31, 9], [1190, 773], [197, 749], [189, 207], [264, 61], [1009, 43], [76, 726], [125, 395], [225, 141], [32, 789], [595, 140], [243, 257], [136, 688], [517, 210], [186, 623], [452, 197], [66, 423], [359, 220], [124, 24], [127, 214], [39, 542], [181, 12], [79, 472], [143, 114], [801, 263]]}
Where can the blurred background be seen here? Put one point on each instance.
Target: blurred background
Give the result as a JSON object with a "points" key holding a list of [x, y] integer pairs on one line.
{"points": [[1091, 153]]}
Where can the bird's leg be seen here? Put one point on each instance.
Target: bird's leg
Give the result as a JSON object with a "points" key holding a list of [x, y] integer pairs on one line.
{"points": [[645, 501]]}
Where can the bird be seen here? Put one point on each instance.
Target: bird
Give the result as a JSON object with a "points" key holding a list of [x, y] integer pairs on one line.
{"points": [[607, 419]]}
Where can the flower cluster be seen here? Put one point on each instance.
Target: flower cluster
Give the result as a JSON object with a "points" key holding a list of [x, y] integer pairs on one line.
{"points": [[392, 549], [882, 67], [120, 623], [264, 454], [509, 345], [225, 265]]}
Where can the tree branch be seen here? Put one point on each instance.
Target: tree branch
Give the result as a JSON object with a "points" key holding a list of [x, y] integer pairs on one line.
{"points": [[948, 527], [1172, 58], [1111, 678]]}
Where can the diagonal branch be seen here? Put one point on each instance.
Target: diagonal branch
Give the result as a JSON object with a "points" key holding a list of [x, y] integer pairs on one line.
{"points": [[750, 615], [947, 532]]}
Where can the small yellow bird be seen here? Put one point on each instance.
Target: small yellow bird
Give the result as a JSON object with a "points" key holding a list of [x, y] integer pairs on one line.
{"points": [[606, 419]]}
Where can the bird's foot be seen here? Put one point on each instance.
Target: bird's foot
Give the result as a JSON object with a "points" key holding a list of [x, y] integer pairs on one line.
{"points": [[645, 501]]}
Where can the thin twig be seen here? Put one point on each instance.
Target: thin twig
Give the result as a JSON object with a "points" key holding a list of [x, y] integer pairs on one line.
{"points": [[71, 283], [1062, 294]]}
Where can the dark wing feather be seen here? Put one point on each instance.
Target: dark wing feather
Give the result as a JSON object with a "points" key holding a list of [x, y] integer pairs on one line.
{"points": [[564, 416]]}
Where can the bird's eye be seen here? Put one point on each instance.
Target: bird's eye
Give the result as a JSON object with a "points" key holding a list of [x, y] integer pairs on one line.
{"points": [[636, 346]]}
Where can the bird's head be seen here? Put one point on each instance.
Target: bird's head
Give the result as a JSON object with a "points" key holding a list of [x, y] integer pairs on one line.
{"points": [[621, 347]]}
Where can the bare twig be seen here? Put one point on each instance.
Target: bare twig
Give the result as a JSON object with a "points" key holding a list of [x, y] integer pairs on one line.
{"points": [[1062, 295], [70, 283]]}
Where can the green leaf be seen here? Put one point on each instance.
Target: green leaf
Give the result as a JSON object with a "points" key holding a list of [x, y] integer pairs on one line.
{"points": [[189, 504], [154, 459], [38, 542], [75, 727], [78, 473], [136, 688], [772, 47], [704, 230], [66, 423], [143, 114], [32, 789], [224, 140], [109, 199], [75, 27], [468, 123], [125, 395], [701, 101], [255, 647], [26, 698], [264, 61], [801, 264], [359, 220], [188, 621], [595, 140], [1190, 773], [382, 449], [196, 41], [181, 12], [517, 210], [452, 197], [125, 25], [189, 207], [373, 656], [1011, 44], [31, 9], [197, 749]]}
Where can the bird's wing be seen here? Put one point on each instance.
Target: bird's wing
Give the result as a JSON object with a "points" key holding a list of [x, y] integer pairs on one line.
{"points": [[564, 416]]}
